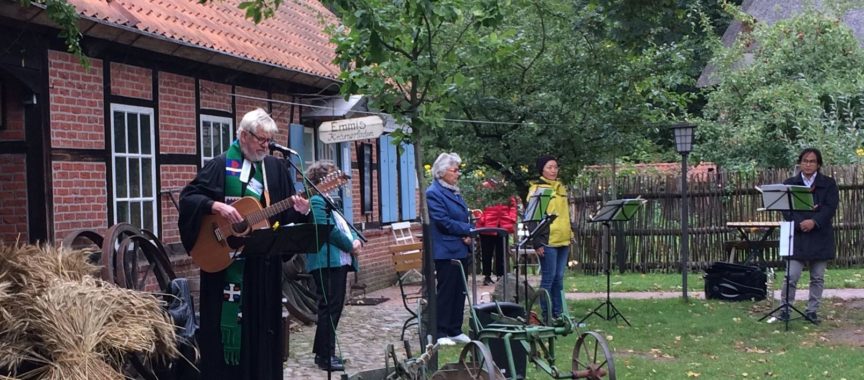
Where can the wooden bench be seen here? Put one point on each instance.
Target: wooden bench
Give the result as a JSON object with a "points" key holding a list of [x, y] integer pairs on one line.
{"points": [[408, 258]]}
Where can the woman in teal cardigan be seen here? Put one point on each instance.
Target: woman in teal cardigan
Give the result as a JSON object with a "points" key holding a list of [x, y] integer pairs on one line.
{"points": [[329, 267]]}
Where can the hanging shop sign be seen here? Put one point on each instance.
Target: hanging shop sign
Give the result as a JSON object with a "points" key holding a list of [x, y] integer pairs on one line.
{"points": [[360, 128]]}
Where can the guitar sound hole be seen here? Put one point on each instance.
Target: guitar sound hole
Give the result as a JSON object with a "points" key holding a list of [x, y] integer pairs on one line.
{"points": [[240, 228]]}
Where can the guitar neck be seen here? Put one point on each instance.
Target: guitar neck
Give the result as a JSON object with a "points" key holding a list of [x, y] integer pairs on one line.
{"points": [[269, 211]]}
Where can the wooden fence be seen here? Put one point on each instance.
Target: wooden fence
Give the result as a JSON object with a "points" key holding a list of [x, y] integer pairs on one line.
{"points": [[651, 241]]}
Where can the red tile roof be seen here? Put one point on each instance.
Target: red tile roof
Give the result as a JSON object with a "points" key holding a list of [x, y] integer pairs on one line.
{"points": [[293, 39]]}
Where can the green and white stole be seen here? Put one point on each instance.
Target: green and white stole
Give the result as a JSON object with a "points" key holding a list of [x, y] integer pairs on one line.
{"points": [[242, 178]]}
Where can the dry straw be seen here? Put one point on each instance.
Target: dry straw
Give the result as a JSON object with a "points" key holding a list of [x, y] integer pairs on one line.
{"points": [[57, 321]]}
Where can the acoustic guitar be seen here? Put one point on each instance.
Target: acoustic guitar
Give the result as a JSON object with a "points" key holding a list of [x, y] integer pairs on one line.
{"points": [[218, 236]]}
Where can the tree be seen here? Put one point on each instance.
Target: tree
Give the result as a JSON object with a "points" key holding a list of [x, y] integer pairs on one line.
{"points": [[803, 88], [563, 78], [403, 55], [66, 17]]}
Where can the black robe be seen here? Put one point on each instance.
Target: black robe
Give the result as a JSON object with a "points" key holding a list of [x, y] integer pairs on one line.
{"points": [[260, 347]]}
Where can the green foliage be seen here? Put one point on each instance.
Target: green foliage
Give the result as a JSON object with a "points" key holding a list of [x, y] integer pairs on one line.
{"points": [[66, 17], [567, 79], [479, 194], [802, 87]]}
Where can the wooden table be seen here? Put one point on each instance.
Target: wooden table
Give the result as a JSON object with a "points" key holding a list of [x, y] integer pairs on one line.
{"points": [[754, 238]]}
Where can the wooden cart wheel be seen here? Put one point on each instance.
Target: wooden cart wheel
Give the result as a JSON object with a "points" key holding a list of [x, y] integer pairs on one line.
{"points": [[478, 363], [298, 289], [592, 358]]}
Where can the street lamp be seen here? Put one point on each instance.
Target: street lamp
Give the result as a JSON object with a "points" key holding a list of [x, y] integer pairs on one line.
{"points": [[684, 144]]}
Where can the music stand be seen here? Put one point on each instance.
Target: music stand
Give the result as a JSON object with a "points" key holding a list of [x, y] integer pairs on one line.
{"points": [[620, 210], [287, 240], [779, 197], [541, 224]]}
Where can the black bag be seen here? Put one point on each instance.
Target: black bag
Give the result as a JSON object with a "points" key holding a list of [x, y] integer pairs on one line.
{"points": [[735, 282]]}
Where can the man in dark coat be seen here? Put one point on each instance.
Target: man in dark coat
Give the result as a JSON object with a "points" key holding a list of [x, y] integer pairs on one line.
{"points": [[814, 235], [241, 341]]}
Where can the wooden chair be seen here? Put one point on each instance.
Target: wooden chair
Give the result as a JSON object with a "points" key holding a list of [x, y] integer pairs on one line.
{"points": [[402, 233], [408, 258]]}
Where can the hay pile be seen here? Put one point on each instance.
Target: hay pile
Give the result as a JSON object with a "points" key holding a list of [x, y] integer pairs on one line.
{"points": [[57, 321]]}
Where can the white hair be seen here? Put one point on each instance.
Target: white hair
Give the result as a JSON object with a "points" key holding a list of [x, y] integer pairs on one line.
{"points": [[257, 121], [443, 162]]}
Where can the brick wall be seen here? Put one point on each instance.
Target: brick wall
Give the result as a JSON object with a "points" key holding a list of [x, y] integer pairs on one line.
{"points": [[80, 199], [245, 105], [177, 128], [131, 81], [13, 198], [376, 267], [173, 177], [281, 113], [77, 118], [215, 96]]}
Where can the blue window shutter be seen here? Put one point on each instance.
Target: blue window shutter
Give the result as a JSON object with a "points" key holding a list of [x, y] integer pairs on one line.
{"points": [[388, 176], [295, 133], [347, 209], [408, 182]]}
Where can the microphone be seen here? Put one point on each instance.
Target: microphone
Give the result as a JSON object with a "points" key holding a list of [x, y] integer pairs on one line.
{"points": [[282, 149]]}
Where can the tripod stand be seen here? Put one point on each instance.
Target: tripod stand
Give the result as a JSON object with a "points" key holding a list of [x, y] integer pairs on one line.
{"points": [[611, 310], [786, 234], [619, 210], [786, 198]]}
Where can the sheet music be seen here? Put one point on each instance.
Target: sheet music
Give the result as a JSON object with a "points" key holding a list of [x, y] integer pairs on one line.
{"points": [[787, 233], [777, 197]]}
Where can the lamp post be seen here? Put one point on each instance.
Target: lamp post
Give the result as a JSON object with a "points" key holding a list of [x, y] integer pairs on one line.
{"points": [[684, 144]]}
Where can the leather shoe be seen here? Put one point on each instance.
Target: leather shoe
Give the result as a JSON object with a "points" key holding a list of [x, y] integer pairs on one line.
{"points": [[812, 317], [333, 363], [784, 316]]}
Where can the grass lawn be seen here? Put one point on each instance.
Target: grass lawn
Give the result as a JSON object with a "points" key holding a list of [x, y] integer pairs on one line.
{"points": [[709, 339], [637, 282]]}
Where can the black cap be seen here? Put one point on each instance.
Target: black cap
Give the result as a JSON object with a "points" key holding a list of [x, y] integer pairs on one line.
{"points": [[541, 162]]}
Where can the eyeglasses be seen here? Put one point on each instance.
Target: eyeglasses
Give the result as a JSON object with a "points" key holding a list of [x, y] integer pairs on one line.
{"points": [[454, 170], [259, 140], [809, 162]]}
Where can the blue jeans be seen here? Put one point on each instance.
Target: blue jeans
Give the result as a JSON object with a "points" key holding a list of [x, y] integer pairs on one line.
{"points": [[552, 266]]}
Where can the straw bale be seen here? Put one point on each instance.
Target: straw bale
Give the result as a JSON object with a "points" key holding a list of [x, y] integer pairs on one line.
{"points": [[31, 266], [65, 324]]}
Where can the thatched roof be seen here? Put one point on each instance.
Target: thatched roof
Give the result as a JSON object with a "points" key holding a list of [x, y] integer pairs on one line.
{"points": [[770, 12]]}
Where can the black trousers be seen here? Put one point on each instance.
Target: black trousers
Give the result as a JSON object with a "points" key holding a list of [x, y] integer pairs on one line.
{"points": [[492, 246], [451, 297], [330, 283]]}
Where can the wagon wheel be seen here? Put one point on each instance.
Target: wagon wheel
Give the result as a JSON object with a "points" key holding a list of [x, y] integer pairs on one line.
{"points": [[298, 288], [592, 358], [85, 239], [478, 363], [113, 237], [123, 247], [127, 272]]}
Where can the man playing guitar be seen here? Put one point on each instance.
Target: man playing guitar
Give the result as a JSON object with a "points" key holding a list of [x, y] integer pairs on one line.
{"points": [[249, 287]]}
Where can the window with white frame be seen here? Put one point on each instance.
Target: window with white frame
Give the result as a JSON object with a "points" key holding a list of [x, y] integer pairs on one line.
{"points": [[217, 133], [134, 169]]}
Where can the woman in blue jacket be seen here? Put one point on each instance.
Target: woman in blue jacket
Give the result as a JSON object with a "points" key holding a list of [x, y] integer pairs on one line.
{"points": [[450, 229], [329, 267]]}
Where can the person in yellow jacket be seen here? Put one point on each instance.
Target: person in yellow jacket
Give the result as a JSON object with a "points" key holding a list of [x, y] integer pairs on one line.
{"points": [[552, 243]]}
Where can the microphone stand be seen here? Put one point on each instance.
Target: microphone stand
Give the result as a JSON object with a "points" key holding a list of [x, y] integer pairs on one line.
{"points": [[541, 224], [332, 208]]}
